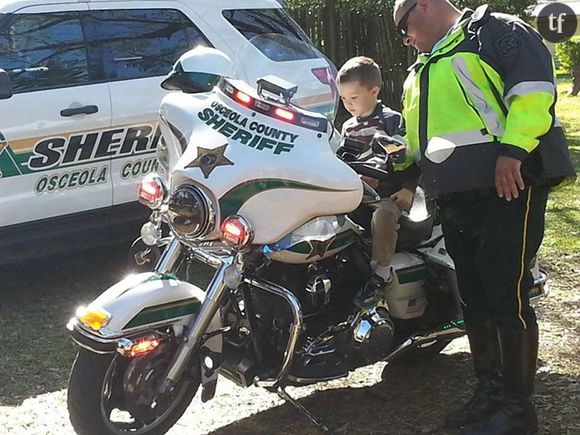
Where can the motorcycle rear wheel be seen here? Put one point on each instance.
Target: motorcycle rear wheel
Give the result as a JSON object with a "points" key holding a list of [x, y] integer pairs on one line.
{"points": [[99, 402]]}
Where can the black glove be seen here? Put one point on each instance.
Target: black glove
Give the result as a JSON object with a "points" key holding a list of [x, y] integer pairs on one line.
{"points": [[395, 148]]}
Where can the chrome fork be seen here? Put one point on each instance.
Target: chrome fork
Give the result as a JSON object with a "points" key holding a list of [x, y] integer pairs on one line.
{"points": [[169, 258], [216, 289]]}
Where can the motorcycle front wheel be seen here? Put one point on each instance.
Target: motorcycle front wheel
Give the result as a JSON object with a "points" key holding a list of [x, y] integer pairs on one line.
{"points": [[112, 395]]}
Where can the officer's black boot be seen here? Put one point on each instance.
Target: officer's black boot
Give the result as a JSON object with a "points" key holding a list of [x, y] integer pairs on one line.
{"points": [[517, 414], [485, 353]]}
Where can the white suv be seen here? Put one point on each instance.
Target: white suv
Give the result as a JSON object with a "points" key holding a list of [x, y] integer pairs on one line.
{"points": [[81, 126]]}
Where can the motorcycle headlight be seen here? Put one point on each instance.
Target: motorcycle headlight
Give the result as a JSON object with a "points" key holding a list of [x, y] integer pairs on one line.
{"points": [[190, 212]]}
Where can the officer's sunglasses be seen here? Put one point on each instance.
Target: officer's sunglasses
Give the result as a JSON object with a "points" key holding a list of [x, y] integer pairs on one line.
{"points": [[403, 24]]}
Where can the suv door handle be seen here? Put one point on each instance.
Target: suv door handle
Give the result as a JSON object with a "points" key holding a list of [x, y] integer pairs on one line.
{"points": [[85, 110]]}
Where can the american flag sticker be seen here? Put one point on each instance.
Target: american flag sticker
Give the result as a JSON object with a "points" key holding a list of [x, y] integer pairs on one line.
{"points": [[416, 305]]}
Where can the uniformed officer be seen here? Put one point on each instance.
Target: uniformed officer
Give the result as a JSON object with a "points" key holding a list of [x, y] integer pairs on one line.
{"points": [[479, 107]]}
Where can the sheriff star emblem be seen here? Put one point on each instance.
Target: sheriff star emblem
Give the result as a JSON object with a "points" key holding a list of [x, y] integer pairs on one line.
{"points": [[209, 159], [319, 247]]}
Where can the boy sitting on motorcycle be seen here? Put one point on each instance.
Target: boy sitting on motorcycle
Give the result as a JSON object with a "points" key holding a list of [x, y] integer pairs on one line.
{"points": [[359, 82]]}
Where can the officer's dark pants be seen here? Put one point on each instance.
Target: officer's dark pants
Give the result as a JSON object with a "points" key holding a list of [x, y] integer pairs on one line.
{"points": [[492, 242]]}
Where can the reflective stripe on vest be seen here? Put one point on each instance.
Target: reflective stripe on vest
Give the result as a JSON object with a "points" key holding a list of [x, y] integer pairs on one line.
{"points": [[491, 118], [440, 148], [524, 88]]}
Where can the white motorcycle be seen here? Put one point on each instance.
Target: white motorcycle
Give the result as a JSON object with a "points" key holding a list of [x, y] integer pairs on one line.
{"points": [[255, 191]]}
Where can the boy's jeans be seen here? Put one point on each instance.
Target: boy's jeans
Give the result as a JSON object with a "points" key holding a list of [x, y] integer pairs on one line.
{"points": [[384, 227]]}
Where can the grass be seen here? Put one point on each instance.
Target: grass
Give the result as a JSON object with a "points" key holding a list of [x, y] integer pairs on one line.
{"points": [[37, 299], [561, 247]]}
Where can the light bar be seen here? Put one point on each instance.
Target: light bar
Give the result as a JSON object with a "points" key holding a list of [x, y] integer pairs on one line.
{"points": [[245, 99], [284, 114], [281, 113]]}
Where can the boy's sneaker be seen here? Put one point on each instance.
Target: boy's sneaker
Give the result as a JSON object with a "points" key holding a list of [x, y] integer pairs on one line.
{"points": [[367, 297]]}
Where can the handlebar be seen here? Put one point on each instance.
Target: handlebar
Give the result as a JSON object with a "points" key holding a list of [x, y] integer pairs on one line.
{"points": [[369, 170], [394, 147]]}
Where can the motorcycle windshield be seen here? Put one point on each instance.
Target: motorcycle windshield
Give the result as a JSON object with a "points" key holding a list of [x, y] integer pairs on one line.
{"points": [[294, 61], [260, 154]]}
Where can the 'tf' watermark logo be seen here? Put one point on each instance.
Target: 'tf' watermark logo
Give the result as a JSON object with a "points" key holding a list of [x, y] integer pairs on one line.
{"points": [[557, 22], [557, 28]]}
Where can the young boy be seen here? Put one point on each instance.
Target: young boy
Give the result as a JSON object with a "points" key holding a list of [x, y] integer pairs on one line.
{"points": [[359, 83]]}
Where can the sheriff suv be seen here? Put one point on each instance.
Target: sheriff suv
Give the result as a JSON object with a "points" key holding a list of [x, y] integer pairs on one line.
{"points": [[79, 96]]}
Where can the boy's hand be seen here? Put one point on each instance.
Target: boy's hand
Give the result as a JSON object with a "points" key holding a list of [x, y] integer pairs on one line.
{"points": [[403, 198], [373, 182]]}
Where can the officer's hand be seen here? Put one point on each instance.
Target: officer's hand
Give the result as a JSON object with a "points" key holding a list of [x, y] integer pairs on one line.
{"points": [[508, 177], [373, 182], [403, 198]]}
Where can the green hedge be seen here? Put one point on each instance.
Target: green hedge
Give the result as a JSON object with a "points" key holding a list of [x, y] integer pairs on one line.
{"points": [[568, 53]]}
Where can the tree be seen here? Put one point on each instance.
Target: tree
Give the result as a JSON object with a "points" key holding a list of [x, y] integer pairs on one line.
{"points": [[569, 55]]}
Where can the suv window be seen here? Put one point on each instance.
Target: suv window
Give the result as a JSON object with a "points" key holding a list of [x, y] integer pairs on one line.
{"points": [[138, 43], [291, 42], [43, 51]]}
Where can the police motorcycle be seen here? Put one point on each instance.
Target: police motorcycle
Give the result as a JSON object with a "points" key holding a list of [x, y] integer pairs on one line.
{"points": [[254, 192]]}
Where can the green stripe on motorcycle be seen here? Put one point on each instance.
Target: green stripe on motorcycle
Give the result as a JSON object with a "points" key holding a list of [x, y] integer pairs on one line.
{"points": [[235, 198], [412, 274], [341, 240], [163, 312], [301, 248]]}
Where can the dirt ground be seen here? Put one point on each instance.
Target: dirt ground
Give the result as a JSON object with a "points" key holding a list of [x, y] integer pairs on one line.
{"points": [[378, 399]]}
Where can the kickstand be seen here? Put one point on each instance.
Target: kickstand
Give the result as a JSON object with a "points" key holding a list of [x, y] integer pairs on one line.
{"points": [[317, 421]]}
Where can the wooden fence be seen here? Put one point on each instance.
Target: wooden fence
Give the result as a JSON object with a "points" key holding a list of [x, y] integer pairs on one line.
{"points": [[346, 28], [341, 34]]}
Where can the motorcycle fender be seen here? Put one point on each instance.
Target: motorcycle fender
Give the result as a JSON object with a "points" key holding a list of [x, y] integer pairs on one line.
{"points": [[147, 300], [140, 303]]}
